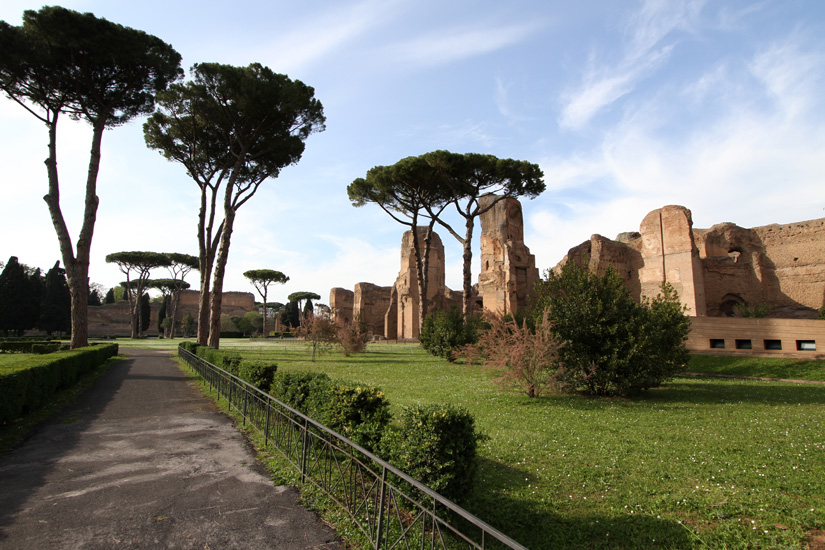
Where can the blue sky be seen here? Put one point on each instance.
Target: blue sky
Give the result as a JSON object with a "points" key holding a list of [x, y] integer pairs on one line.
{"points": [[626, 106]]}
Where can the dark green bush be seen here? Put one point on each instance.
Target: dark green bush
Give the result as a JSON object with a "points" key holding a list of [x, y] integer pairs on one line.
{"points": [[443, 333], [191, 347], [26, 386], [359, 412], [226, 360], [435, 444], [295, 388], [258, 373], [22, 345], [42, 349], [610, 345]]}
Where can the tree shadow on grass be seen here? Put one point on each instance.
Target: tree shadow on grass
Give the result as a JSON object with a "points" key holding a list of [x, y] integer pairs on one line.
{"points": [[545, 525], [683, 391]]}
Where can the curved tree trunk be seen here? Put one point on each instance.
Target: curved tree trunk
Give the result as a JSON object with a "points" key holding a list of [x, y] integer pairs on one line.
{"points": [[217, 281], [77, 266]]}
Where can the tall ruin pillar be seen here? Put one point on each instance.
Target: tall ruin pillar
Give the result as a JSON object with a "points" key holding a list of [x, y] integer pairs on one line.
{"points": [[670, 256], [508, 270], [405, 293], [341, 304]]}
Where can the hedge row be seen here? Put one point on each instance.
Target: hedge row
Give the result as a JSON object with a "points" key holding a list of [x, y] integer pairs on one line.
{"points": [[26, 386], [435, 444], [26, 346], [255, 372]]}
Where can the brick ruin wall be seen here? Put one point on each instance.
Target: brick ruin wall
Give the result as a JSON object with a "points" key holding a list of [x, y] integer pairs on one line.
{"points": [[114, 319], [715, 269]]}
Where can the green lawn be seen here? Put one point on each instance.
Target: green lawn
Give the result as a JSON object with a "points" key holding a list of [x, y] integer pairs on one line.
{"points": [[766, 367], [714, 463]]}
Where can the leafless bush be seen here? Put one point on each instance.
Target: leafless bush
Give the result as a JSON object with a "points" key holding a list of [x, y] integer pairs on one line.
{"points": [[525, 359]]}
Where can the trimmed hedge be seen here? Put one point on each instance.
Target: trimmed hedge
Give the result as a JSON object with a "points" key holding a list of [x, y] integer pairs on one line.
{"points": [[26, 386], [359, 412], [297, 388], [23, 346], [435, 444], [258, 373], [42, 349]]}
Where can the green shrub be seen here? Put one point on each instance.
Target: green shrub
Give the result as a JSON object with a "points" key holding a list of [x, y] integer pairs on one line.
{"points": [[191, 347], [359, 412], [610, 345], [21, 345], [42, 349], [226, 360], [435, 444], [443, 333], [258, 373], [295, 388]]}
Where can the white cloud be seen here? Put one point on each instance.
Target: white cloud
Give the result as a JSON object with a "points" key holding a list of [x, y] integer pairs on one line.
{"points": [[604, 83], [456, 43], [327, 31]]}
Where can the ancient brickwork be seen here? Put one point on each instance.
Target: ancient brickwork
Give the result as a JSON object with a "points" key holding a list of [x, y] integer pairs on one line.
{"points": [[406, 285], [370, 304], [715, 269], [508, 270], [670, 256], [114, 319], [341, 303]]}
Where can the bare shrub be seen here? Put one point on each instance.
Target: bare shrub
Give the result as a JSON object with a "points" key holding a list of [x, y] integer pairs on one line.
{"points": [[351, 336], [525, 359]]}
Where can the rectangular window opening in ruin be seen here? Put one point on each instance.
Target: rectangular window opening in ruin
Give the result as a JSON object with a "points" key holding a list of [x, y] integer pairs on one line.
{"points": [[717, 343], [806, 345], [743, 344], [773, 344]]}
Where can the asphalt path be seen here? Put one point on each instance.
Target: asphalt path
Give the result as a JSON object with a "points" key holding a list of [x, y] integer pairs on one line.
{"points": [[144, 460]]}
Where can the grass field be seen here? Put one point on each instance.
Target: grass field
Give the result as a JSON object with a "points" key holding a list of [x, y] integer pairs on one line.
{"points": [[713, 463]]}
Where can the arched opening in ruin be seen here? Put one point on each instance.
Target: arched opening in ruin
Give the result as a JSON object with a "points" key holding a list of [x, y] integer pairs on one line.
{"points": [[728, 306]]}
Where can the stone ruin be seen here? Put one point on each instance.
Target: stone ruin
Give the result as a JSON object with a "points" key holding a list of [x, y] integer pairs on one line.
{"points": [[508, 275], [715, 269]]}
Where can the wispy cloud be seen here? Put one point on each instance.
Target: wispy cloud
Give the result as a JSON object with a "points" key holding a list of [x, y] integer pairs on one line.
{"points": [[755, 159], [452, 44], [643, 52], [328, 31]]}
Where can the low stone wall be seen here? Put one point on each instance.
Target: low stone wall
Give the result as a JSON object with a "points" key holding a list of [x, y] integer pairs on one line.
{"points": [[798, 338]]}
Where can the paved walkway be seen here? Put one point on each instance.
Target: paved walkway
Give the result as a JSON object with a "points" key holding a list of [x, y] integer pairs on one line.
{"points": [[143, 460]]}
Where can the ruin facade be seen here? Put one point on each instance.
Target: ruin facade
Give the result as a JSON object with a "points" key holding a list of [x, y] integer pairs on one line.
{"points": [[508, 275], [508, 270], [714, 270], [115, 319]]}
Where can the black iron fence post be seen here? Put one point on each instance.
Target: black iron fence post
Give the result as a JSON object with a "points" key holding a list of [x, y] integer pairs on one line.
{"points": [[380, 520]]}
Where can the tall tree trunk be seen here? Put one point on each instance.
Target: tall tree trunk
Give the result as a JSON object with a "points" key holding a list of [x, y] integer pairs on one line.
{"points": [[173, 307], [263, 328], [217, 281], [77, 266], [467, 299], [205, 269]]}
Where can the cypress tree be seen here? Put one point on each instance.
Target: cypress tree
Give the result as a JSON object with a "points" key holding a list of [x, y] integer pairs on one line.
{"points": [[55, 309]]}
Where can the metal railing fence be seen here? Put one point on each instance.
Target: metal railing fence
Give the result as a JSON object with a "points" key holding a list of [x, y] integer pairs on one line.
{"points": [[392, 509]]}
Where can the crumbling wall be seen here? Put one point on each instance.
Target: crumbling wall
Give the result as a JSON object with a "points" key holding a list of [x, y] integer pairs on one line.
{"points": [[406, 285], [715, 269], [370, 304], [341, 302], [508, 270]]}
